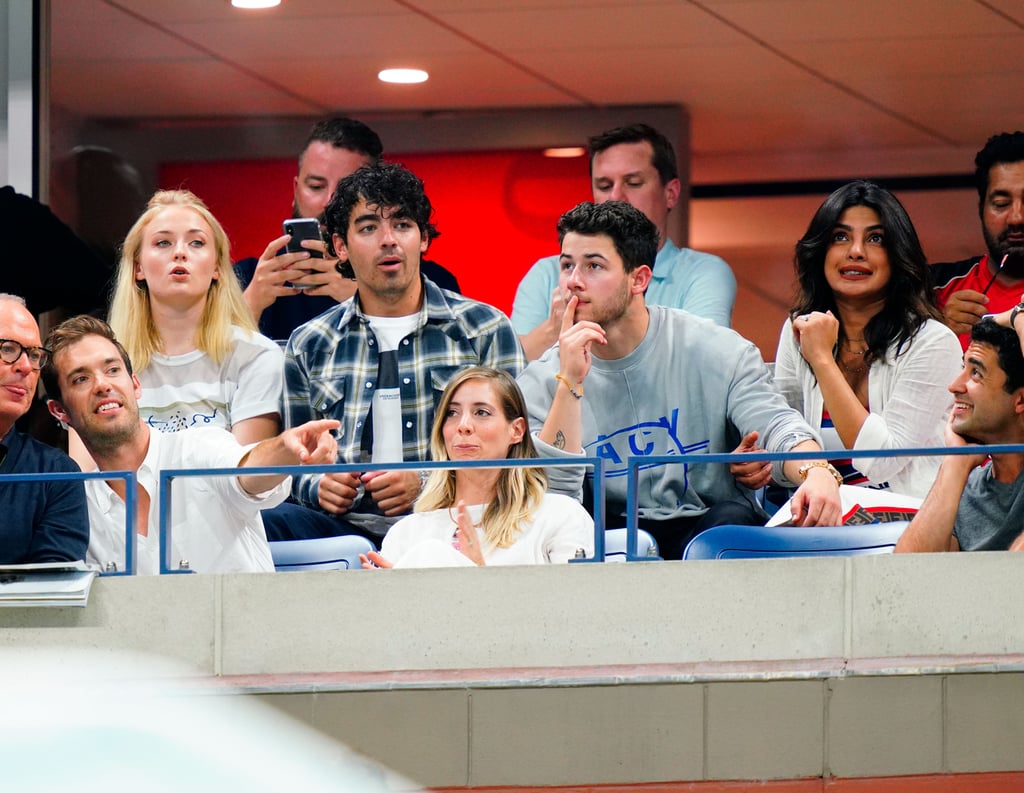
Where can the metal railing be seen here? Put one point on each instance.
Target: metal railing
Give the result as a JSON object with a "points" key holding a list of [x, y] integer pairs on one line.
{"points": [[633, 465], [596, 464], [131, 537], [169, 475]]}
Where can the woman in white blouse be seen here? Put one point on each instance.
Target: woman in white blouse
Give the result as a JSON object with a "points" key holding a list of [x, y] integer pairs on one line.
{"points": [[485, 516], [865, 355]]}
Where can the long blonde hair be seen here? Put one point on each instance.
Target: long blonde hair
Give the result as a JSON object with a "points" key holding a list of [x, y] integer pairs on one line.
{"points": [[519, 490], [131, 315]]}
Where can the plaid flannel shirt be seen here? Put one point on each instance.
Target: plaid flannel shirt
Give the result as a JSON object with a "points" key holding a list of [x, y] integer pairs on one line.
{"points": [[331, 363]]}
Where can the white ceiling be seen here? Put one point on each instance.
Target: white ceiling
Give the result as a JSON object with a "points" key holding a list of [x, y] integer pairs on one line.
{"points": [[776, 89]]}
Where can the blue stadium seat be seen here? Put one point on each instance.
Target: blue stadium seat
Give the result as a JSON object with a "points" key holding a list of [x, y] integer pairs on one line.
{"points": [[324, 553], [615, 545], [747, 542]]}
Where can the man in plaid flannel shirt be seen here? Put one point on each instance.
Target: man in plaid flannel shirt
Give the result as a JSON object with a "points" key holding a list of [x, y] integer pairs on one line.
{"points": [[379, 361]]}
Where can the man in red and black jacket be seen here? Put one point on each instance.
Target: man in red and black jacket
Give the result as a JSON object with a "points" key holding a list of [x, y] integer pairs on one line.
{"points": [[992, 283]]}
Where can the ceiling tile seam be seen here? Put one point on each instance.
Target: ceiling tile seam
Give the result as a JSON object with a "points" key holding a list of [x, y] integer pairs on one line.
{"points": [[1000, 13], [305, 100], [818, 75], [507, 59]]}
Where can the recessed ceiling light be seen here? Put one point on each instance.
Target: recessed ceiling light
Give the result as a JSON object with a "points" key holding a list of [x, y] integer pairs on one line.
{"points": [[564, 152], [255, 3], [402, 76]]}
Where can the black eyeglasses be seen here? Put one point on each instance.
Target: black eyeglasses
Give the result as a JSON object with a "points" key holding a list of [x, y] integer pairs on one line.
{"points": [[11, 351]]}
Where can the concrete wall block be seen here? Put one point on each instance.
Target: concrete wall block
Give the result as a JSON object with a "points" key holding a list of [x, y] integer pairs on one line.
{"points": [[298, 706], [793, 611], [170, 616], [765, 730], [572, 736], [421, 734], [884, 726], [936, 604], [985, 722], [276, 623]]}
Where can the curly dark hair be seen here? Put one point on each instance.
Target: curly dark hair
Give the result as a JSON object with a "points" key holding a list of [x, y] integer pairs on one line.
{"points": [[909, 298], [1006, 147], [663, 158], [385, 185], [635, 237], [1007, 347]]}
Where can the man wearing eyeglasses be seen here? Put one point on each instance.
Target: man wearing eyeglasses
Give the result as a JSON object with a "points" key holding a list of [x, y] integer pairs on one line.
{"points": [[43, 521]]}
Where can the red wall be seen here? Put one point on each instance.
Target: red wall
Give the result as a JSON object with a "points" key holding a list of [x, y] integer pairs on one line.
{"points": [[496, 210]]}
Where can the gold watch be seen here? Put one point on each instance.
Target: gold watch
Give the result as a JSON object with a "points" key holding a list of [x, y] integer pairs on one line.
{"points": [[803, 469]]}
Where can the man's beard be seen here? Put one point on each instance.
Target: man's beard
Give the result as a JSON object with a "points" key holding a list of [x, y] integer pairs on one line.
{"points": [[108, 440], [297, 213], [613, 311], [998, 247]]}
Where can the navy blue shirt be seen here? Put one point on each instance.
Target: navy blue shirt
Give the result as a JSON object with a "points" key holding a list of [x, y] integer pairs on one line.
{"points": [[285, 314], [40, 521]]}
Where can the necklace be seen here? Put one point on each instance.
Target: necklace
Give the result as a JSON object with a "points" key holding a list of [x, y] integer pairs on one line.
{"points": [[852, 369]]}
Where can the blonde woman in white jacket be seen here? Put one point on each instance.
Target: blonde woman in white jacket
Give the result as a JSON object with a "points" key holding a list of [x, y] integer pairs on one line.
{"points": [[864, 354]]}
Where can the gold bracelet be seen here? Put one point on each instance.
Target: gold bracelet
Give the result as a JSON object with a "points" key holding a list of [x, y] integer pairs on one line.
{"points": [[803, 469], [573, 391]]}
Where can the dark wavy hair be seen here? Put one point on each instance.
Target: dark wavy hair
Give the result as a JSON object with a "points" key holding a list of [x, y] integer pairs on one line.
{"points": [[909, 299], [1007, 346], [632, 233], [386, 185]]}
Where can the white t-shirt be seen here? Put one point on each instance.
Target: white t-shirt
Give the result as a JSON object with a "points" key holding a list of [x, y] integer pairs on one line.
{"points": [[387, 398], [215, 524], [192, 390], [560, 525]]}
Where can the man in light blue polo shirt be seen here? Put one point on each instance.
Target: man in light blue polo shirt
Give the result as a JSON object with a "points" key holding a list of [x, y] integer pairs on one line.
{"points": [[635, 164]]}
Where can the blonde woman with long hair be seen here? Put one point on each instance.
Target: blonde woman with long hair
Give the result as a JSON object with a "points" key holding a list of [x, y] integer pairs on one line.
{"points": [[485, 516], [179, 311]]}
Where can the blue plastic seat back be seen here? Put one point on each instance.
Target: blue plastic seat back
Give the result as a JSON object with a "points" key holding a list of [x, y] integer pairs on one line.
{"points": [[324, 553], [615, 545], [746, 542]]}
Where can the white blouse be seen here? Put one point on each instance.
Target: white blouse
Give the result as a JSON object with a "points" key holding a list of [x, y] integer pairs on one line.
{"points": [[908, 403]]}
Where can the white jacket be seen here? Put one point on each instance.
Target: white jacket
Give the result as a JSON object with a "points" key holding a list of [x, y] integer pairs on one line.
{"points": [[908, 403]]}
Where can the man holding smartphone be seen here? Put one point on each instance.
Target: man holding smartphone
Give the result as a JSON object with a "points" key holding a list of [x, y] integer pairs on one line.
{"points": [[379, 362], [992, 283], [307, 272]]}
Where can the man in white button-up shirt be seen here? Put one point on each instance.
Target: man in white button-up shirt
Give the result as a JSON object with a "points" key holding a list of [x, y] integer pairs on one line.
{"points": [[215, 521]]}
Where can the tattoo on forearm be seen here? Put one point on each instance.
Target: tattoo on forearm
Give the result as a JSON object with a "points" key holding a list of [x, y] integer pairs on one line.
{"points": [[559, 440]]}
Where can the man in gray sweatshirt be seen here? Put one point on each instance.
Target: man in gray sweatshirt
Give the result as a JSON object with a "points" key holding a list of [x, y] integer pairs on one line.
{"points": [[627, 379]]}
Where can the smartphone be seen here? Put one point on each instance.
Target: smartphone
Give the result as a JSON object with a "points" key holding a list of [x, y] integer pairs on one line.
{"points": [[302, 229]]}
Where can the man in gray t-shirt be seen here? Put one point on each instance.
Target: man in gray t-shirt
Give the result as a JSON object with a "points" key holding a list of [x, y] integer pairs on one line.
{"points": [[977, 504]]}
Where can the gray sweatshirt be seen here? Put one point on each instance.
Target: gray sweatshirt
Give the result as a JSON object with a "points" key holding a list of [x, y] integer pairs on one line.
{"points": [[690, 386]]}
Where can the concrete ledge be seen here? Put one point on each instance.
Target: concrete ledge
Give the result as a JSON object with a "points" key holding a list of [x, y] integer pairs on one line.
{"points": [[651, 674], [593, 674]]}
